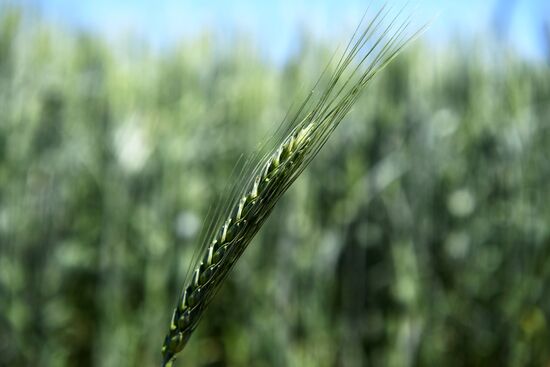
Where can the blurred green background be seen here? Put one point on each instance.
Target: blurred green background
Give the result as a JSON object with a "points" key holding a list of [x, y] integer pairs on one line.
{"points": [[418, 237]]}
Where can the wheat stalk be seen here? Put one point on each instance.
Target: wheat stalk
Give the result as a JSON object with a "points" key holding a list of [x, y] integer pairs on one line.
{"points": [[304, 135]]}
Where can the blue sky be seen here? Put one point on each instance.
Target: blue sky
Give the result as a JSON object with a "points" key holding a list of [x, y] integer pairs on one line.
{"points": [[275, 23]]}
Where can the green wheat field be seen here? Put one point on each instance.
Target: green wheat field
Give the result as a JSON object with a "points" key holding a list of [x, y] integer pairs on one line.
{"points": [[419, 235]]}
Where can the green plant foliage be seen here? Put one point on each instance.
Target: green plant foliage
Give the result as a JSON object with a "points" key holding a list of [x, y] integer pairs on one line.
{"points": [[418, 237]]}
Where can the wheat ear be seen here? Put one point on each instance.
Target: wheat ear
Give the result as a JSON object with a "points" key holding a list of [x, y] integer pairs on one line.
{"points": [[306, 133]]}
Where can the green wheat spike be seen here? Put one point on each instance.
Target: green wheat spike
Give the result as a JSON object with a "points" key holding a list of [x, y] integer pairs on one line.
{"points": [[371, 50]]}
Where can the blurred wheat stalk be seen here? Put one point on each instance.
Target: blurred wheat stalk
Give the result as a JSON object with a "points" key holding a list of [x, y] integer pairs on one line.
{"points": [[267, 175]]}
